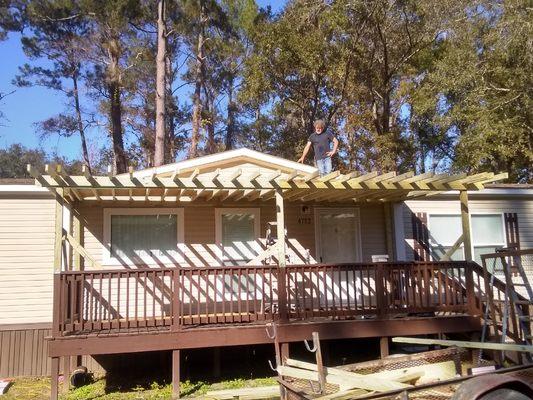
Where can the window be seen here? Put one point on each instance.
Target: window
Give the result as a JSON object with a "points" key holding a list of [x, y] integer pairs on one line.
{"points": [[487, 234], [444, 230], [236, 232], [143, 235]]}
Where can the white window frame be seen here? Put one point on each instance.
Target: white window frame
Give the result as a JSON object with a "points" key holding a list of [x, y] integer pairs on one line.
{"points": [[358, 244], [107, 259], [473, 244], [219, 212]]}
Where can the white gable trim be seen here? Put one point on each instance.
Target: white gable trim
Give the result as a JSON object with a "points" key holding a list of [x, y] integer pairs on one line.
{"points": [[226, 156]]}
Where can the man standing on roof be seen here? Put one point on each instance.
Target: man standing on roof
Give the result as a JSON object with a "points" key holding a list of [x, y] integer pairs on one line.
{"points": [[321, 142]]}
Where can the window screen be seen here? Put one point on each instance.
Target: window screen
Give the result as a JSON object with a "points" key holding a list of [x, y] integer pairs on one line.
{"points": [[141, 236]]}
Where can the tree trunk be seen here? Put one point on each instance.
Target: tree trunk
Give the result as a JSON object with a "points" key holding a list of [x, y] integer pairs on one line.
{"points": [[197, 103], [230, 127], [115, 111], [159, 152], [80, 123], [211, 143], [115, 106]]}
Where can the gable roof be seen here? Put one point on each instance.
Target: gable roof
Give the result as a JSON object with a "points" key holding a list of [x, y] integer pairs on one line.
{"points": [[228, 158]]}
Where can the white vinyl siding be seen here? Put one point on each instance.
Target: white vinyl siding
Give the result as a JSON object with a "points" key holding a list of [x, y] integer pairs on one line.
{"points": [[26, 259]]}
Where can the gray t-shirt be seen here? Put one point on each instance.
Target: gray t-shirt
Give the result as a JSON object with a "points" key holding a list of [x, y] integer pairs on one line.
{"points": [[321, 144]]}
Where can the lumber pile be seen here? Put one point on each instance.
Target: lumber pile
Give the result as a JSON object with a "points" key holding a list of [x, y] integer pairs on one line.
{"points": [[343, 383], [394, 374]]}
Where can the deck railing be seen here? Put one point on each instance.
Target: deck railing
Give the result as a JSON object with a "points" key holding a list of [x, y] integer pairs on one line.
{"points": [[173, 298]]}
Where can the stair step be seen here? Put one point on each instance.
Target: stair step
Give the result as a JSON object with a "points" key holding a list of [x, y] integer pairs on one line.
{"points": [[525, 302], [525, 317]]}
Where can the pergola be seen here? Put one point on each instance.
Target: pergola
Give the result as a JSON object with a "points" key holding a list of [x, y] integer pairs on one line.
{"points": [[252, 185], [239, 185]]}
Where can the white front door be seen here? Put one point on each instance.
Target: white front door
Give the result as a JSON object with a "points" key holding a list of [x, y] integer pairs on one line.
{"points": [[337, 235]]}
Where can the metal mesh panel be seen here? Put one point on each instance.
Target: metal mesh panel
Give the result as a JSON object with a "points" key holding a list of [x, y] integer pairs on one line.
{"points": [[430, 357]]}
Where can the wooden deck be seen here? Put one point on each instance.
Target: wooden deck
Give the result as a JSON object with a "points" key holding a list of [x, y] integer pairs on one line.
{"points": [[138, 310]]}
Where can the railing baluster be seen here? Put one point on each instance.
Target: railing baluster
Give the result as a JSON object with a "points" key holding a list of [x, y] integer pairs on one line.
{"points": [[224, 284], [263, 294], [239, 298], [215, 296], [247, 277], [90, 300], [192, 310], [79, 286], [198, 297]]}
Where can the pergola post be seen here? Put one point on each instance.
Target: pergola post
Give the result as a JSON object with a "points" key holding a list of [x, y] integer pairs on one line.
{"points": [[77, 228], [58, 256], [467, 241], [280, 226], [465, 222], [389, 229], [58, 242]]}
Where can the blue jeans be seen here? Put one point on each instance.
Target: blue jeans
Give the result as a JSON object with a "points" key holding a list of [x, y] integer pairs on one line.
{"points": [[324, 166]]}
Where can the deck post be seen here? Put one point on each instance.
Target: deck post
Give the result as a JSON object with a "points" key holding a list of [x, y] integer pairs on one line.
{"points": [[216, 362], [66, 374], [384, 346], [280, 226], [176, 312], [284, 351], [381, 294], [467, 241], [175, 374], [54, 379]]}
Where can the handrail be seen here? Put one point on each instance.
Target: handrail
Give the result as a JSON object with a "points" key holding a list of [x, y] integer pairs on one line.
{"points": [[203, 268]]}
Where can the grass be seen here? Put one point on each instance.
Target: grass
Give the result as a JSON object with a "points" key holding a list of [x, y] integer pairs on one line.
{"points": [[39, 388]]}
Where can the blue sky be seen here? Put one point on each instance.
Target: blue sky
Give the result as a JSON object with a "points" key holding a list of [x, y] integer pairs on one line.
{"points": [[26, 106]]}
